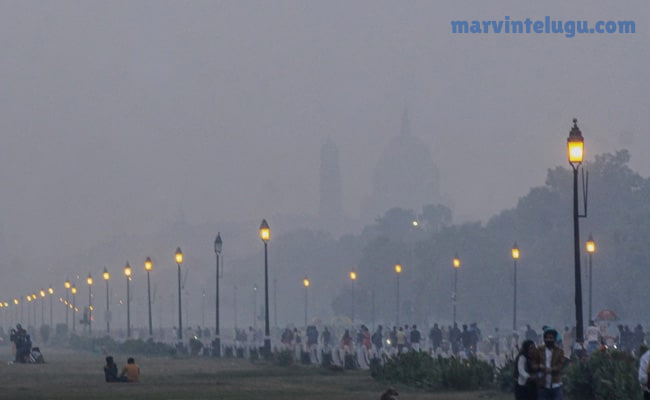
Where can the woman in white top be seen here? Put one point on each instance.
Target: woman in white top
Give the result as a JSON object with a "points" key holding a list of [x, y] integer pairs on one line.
{"points": [[526, 387]]}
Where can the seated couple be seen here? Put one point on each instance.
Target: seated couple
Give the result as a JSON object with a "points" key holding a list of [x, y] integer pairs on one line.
{"points": [[130, 372]]}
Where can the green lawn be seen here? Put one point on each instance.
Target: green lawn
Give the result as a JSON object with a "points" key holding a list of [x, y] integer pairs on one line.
{"points": [[71, 375]]}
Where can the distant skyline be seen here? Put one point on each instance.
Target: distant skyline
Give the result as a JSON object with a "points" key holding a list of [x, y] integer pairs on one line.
{"points": [[119, 118]]}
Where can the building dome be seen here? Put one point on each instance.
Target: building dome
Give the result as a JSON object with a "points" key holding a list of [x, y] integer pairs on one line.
{"points": [[405, 176]]}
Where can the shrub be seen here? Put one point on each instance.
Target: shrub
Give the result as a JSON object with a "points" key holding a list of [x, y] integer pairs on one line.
{"points": [[603, 376], [283, 358], [505, 376], [195, 346], [419, 369]]}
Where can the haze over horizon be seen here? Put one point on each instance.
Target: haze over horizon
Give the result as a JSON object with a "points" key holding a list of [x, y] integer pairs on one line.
{"points": [[119, 117]]}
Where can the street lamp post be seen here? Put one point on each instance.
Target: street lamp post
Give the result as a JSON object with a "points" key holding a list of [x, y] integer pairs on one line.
{"points": [[127, 274], [42, 293], [398, 270], [515, 257], [575, 152], [456, 264], [353, 278], [255, 307], [50, 290], [67, 286], [265, 235], [73, 289], [90, 304], [305, 283], [148, 266], [107, 277], [179, 261], [218, 244], [591, 248]]}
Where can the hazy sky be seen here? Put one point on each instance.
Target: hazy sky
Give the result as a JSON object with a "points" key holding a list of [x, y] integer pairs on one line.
{"points": [[119, 116]]}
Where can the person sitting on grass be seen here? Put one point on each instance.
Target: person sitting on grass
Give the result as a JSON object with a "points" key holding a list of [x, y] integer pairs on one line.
{"points": [[110, 370], [131, 371]]}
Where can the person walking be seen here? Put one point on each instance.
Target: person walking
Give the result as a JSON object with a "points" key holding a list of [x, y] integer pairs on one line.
{"points": [[526, 385], [550, 361], [644, 361]]}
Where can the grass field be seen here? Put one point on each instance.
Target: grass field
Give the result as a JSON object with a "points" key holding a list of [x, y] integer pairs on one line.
{"points": [[72, 375]]}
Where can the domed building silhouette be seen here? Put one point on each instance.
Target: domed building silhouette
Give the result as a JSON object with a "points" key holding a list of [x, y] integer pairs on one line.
{"points": [[405, 176]]}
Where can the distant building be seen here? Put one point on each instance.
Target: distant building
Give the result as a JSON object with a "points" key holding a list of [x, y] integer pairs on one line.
{"points": [[405, 176], [330, 181]]}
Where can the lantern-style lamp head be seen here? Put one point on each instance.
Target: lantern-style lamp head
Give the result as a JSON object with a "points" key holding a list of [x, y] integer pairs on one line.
{"points": [[353, 276], [127, 270], [398, 268], [16, 301], [305, 282], [179, 256], [90, 280], [106, 275], [148, 265], [42, 292], [218, 243], [575, 145], [265, 231], [515, 251], [66, 284], [456, 261], [50, 290], [73, 289], [590, 245]]}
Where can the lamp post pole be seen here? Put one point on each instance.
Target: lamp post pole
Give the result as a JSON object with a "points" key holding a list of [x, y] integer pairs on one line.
{"points": [[179, 261], [106, 277], [591, 248], [42, 293], [218, 244], [73, 289], [148, 266], [575, 150], [67, 286], [90, 304], [306, 282], [398, 270], [515, 257], [456, 264], [353, 278], [127, 273], [265, 235], [255, 307], [50, 290]]}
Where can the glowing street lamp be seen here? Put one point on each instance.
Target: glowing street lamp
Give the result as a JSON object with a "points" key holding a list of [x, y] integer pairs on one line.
{"points": [[42, 293], [265, 235], [89, 280], [456, 264], [73, 289], [179, 260], [148, 266], [591, 249], [398, 271], [107, 276], [353, 278], [127, 273], [67, 286], [305, 283], [515, 256], [50, 291], [575, 153]]}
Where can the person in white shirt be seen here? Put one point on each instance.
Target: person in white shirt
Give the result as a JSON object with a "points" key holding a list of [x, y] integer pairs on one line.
{"points": [[643, 370], [526, 387]]}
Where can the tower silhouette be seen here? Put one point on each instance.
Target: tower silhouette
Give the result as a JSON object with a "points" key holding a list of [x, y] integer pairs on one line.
{"points": [[330, 181]]}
